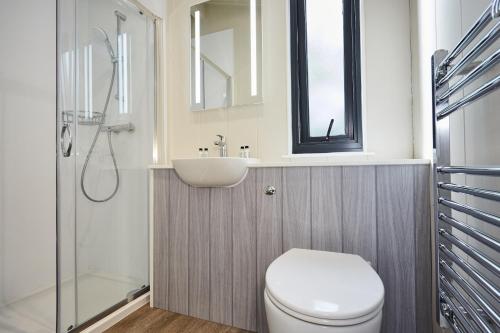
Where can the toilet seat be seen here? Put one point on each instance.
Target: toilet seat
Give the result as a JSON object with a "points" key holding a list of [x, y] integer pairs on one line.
{"points": [[321, 321], [326, 288]]}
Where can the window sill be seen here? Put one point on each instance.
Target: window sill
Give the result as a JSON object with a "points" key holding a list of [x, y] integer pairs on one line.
{"points": [[328, 155]]}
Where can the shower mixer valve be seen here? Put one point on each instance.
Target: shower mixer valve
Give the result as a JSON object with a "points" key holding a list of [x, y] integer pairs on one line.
{"points": [[129, 127]]}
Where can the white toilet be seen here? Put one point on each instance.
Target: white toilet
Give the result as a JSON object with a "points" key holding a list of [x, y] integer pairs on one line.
{"points": [[311, 291]]}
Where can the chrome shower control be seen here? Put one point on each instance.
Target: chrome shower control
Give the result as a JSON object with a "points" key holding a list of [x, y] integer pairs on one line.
{"points": [[270, 190]]}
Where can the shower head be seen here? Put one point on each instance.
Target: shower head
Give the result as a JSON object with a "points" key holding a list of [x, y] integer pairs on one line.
{"points": [[107, 42]]}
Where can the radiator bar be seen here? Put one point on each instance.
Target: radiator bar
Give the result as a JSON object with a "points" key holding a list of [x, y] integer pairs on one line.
{"points": [[471, 291], [476, 94], [482, 281], [479, 214], [452, 291], [479, 48], [478, 192], [473, 32], [474, 233], [486, 171], [456, 313], [487, 64], [480, 257]]}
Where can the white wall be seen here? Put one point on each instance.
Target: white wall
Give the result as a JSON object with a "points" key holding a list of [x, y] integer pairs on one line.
{"points": [[388, 103], [27, 148], [387, 86], [423, 44], [158, 7]]}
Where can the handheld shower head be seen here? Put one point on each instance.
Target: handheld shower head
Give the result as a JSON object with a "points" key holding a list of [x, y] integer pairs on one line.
{"points": [[107, 42]]}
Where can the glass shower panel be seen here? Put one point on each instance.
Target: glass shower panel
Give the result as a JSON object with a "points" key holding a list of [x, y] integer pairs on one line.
{"points": [[115, 88], [27, 167]]}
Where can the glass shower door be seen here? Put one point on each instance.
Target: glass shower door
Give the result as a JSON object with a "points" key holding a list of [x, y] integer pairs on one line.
{"points": [[103, 249]]}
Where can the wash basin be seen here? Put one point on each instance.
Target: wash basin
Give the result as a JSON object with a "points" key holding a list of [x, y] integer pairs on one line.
{"points": [[212, 171]]}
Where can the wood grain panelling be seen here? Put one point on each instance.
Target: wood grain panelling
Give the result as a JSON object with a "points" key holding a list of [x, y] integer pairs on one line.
{"points": [[296, 208], [269, 232], [423, 269], [199, 252], [359, 212], [161, 188], [221, 256], [326, 204], [396, 246], [178, 245], [244, 254], [212, 247]]}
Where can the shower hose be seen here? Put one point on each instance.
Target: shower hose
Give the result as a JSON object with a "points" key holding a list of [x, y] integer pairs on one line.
{"points": [[110, 145]]}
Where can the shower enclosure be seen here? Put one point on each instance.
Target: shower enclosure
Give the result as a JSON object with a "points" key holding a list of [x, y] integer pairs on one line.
{"points": [[106, 123], [74, 236]]}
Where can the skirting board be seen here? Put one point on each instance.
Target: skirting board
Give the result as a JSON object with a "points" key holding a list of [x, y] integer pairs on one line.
{"points": [[118, 315]]}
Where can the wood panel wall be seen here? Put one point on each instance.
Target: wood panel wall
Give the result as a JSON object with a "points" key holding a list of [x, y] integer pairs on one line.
{"points": [[212, 246]]}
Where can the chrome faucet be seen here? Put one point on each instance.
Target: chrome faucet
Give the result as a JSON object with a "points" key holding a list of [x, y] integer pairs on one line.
{"points": [[222, 145]]}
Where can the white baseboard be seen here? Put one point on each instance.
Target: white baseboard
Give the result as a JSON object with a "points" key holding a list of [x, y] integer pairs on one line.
{"points": [[118, 315]]}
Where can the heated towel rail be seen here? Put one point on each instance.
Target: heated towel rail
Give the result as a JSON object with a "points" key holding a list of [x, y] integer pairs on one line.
{"points": [[467, 215]]}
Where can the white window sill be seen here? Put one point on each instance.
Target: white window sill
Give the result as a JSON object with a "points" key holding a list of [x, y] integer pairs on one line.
{"points": [[328, 155]]}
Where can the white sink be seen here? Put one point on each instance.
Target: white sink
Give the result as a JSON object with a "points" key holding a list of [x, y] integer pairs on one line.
{"points": [[212, 171]]}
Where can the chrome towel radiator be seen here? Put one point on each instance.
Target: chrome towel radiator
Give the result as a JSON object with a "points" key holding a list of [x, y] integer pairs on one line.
{"points": [[467, 235]]}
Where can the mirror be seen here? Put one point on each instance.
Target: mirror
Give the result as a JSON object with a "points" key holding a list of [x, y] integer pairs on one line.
{"points": [[226, 49]]}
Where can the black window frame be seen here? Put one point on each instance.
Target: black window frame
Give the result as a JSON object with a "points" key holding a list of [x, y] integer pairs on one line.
{"points": [[352, 141]]}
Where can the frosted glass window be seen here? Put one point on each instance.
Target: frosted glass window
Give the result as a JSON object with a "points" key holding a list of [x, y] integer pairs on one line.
{"points": [[325, 61]]}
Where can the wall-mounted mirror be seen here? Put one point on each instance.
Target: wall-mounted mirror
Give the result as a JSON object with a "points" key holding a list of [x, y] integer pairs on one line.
{"points": [[226, 49]]}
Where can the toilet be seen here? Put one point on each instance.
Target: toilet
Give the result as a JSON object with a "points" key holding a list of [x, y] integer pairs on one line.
{"points": [[310, 291]]}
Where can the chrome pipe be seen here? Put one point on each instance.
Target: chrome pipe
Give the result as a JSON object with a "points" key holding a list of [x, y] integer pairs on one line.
{"points": [[478, 256], [477, 192], [478, 320], [476, 94], [486, 171], [481, 280], [472, 292], [479, 214], [120, 15], [487, 64], [495, 9], [473, 32], [474, 233], [479, 48], [457, 313]]}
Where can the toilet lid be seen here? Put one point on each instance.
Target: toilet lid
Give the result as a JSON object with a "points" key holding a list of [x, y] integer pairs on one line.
{"points": [[325, 285]]}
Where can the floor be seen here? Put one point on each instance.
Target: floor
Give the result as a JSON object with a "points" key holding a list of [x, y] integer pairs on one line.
{"points": [[37, 313], [152, 320]]}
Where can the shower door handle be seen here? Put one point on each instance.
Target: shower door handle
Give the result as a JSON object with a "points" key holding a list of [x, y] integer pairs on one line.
{"points": [[66, 133]]}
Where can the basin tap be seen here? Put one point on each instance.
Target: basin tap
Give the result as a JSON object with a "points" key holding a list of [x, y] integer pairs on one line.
{"points": [[221, 145]]}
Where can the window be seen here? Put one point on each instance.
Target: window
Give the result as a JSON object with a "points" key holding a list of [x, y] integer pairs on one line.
{"points": [[325, 68]]}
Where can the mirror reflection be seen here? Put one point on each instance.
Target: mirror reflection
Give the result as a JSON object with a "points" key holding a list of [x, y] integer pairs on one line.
{"points": [[225, 54]]}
